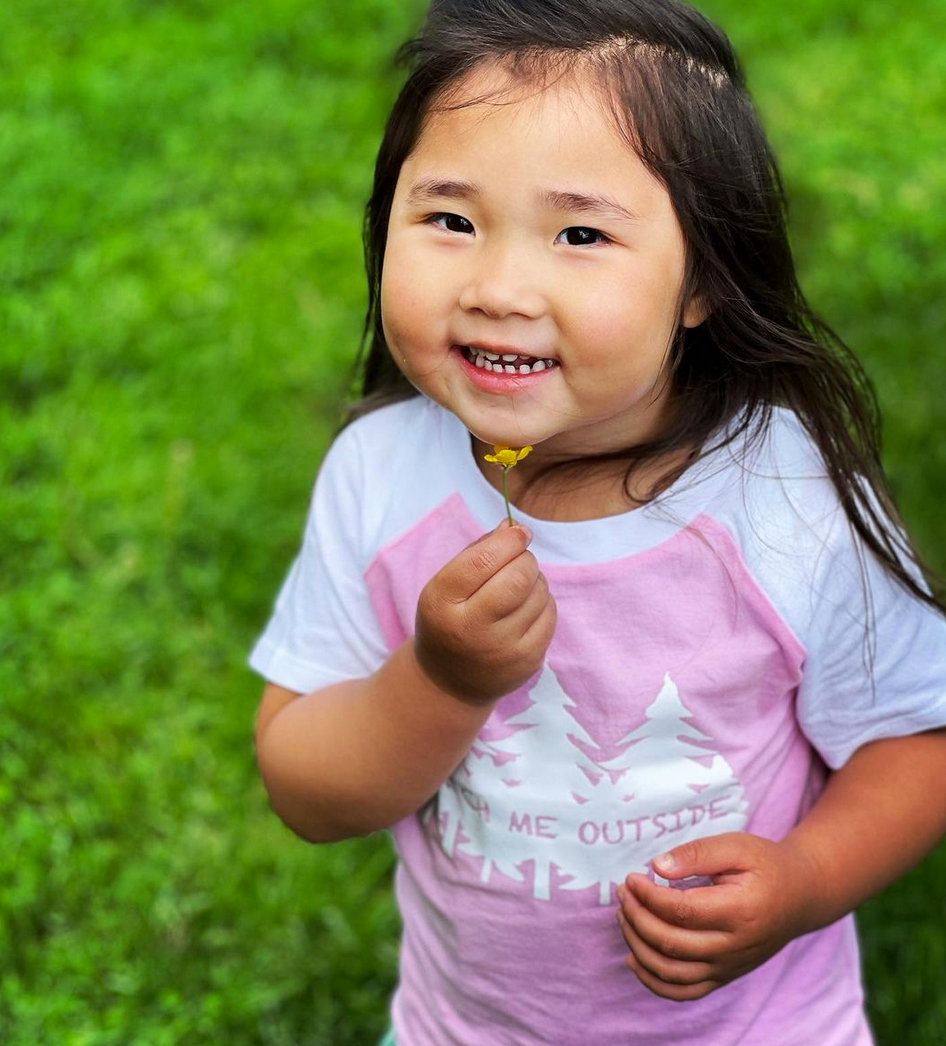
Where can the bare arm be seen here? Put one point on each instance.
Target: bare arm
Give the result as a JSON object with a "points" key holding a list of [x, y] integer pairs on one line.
{"points": [[360, 755], [878, 816]]}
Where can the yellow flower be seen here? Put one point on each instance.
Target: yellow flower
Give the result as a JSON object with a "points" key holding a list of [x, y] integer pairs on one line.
{"points": [[506, 456]]}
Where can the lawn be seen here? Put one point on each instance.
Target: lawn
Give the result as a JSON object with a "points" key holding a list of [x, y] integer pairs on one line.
{"points": [[180, 298]]}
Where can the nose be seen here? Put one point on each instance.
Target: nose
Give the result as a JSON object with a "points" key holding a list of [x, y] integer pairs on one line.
{"points": [[503, 283]]}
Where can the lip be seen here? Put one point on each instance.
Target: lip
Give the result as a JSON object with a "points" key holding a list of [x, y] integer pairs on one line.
{"points": [[495, 381]]}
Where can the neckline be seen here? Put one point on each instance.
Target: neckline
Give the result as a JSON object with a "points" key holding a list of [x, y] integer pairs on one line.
{"points": [[568, 541]]}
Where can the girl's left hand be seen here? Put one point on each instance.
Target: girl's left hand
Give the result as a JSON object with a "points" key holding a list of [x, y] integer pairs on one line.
{"points": [[685, 943]]}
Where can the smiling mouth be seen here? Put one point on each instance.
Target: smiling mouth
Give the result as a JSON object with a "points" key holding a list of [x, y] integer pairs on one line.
{"points": [[507, 362]]}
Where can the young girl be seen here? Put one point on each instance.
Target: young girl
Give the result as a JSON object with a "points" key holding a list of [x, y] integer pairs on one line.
{"points": [[654, 741]]}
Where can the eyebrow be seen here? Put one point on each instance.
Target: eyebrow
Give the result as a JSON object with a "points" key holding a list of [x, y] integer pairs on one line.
{"points": [[597, 205], [442, 189], [594, 204]]}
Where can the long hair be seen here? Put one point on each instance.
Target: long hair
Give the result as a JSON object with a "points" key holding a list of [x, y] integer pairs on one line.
{"points": [[677, 94]]}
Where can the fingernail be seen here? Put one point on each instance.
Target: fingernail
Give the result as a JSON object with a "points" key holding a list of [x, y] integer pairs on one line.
{"points": [[528, 531], [666, 861]]}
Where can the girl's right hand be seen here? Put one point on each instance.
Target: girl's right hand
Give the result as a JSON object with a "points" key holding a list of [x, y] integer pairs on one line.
{"points": [[484, 622]]}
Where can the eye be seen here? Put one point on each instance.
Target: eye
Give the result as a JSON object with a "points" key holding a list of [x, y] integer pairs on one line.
{"points": [[450, 222], [581, 236]]}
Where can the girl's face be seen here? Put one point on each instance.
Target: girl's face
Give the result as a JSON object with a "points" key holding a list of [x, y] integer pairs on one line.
{"points": [[524, 226]]}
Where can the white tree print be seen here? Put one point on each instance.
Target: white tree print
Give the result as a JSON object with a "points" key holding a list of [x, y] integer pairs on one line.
{"points": [[510, 809], [669, 757], [536, 796]]}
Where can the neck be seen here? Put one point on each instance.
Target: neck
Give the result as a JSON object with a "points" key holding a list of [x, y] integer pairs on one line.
{"points": [[563, 491]]}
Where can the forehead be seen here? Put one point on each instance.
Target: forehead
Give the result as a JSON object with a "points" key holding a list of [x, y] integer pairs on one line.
{"points": [[506, 130], [507, 99]]}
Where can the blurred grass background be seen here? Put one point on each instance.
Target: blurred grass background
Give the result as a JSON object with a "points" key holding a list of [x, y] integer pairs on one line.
{"points": [[180, 297]]}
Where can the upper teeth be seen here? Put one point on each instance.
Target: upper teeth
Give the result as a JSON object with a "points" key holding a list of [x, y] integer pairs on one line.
{"points": [[509, 362]]}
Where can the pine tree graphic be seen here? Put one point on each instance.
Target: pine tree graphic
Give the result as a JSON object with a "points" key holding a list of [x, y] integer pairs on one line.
{"points": [[680, 789], [537, 797], [525, 779], [666, 739]]}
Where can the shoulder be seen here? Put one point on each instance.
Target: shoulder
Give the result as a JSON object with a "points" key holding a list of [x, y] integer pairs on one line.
{"points": [[371, 450], [874, 655], [777, 486], [394, 427], [781, 508], [391, 466]]}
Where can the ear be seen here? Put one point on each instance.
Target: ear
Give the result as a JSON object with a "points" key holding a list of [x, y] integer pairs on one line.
{"points": [[695, 312]]}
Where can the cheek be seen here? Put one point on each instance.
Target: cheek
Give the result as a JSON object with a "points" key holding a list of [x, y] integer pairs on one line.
{"points": [[405, 297], [411, 327], [639, 315], [398, 307], [595, 313]]}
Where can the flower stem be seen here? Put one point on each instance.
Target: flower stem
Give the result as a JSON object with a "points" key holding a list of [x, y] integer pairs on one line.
{"points": [[506, 497]]}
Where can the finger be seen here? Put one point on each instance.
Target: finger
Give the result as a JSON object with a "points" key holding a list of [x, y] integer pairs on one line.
{"points": [[671, 971], [539, 618], [507, 591], [700, 909], [671, 940], [674, 992], [711, 855], [521, 617], [503, 524], [539, 634], [467, 572]]}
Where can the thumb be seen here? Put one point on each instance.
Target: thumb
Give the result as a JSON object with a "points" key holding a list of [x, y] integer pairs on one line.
{"points": [[712, 855], [503, 524]]}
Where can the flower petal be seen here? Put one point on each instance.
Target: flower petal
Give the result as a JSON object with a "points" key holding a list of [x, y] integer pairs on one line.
{"points": [[506, 456]]}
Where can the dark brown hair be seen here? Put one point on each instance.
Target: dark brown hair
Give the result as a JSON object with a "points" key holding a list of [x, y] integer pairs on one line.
{"points": [[678, 95]]}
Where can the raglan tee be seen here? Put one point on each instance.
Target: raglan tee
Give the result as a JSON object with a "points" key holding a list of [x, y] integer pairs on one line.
{"points": [[711, 661]]}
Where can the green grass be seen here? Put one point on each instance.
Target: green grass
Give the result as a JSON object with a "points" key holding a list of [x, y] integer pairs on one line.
{"points": [[180, 295]]}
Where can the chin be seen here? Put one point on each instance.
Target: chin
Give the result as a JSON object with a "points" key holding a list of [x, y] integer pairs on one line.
{"points": [[515, 440], [501, 430]]}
